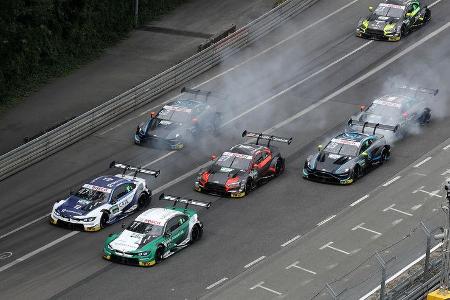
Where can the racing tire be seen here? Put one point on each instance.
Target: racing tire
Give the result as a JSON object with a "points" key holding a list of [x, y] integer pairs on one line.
{"points": [[385, 155], [427, 16], [250, 186], [143, 201], [196, 233], [159, 254], [217, 122], [357, 173], [104, 220], [279, 167], [403, 32], [425, 117]]}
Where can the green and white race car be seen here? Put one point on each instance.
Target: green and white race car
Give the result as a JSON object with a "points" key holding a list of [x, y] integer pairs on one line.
{"points": [[156, 234]]}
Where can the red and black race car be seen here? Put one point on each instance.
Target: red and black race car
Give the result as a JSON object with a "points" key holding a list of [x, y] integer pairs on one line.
{"points": [[242, 168]]}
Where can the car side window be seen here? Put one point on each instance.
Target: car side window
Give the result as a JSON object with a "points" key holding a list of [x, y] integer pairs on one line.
{"points": [[121, 191], [365, 145], [182, 220], [258, 157], [173, 224]]}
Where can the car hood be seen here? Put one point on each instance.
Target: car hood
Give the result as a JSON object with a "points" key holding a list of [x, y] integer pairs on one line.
{"points": [[129, 241], [74, 206], [329, 162], [220, 175], [380, 22], [167, 130]]}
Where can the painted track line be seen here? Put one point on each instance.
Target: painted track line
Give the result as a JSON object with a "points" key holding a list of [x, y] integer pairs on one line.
{"points": [[326, 220], [24, 226], [391, 181], [360, 200], [216, 283], [291, 240], [240, 64], [254, 262], [422, 162], [33, 253], [446, 147]]}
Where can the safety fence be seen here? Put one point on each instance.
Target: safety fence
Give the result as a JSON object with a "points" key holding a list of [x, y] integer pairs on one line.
{"points": [[146, 92]]}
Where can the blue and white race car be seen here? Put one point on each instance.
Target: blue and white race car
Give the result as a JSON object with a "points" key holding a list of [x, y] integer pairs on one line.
{"points": [[104, 200]]}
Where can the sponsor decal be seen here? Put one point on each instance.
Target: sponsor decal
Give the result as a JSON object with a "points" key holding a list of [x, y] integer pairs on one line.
{"points": [[392, 5], [225, 155], [387, 103], [152, 222], [165, 123], [177, 108], [97, 188], [334, 156], [225, 170], [345, 142]]}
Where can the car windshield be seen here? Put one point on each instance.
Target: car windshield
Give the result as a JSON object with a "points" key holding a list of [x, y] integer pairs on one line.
{"points": [[342, 149], [241, 162], [383, 114], [91, 195], [174, 114], [389, 11], [145, 228]]}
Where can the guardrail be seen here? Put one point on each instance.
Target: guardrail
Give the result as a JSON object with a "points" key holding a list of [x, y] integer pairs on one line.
{"points": [[93, 120]]}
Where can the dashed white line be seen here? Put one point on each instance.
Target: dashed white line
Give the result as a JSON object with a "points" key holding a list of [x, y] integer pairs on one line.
{"points": [[360, 200], [23, 226], [291, 240], [254, 262], [326, 220], [422, 162], [216, 283], [33, 253], [446, 147], [416, 207], [392, 180], [396, 222]]}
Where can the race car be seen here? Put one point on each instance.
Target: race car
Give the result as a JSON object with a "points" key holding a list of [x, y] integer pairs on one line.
{"points": [[348, 156], [396, 110], [104, 200], [178, 121], [156, 234], [393, 19], [241, 169]]}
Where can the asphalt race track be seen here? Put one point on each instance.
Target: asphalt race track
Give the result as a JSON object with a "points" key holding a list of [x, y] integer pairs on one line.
{"points": [[303, 80]]}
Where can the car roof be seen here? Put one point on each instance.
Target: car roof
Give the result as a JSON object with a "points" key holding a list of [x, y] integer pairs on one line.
{"points": [[158, 216], [186, 103], [397, 2], [247, 149], [109, 182]]}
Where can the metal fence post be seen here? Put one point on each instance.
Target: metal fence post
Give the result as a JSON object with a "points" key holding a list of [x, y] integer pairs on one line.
{"points": [[426, 266], [383, 276], [331, 291], [136, 13]]}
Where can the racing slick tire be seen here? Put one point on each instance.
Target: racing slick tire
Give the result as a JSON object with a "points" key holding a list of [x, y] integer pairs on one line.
{"points": [[425, 117], [385, 155], [217, 123], [403, 32], [427, 16], [143, 201], [357, 173], [250, 186], [196, 233], [104, 220], [159, 254], [279, 166]]}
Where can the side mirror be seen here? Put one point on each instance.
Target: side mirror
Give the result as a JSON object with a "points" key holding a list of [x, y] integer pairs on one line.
{"points": [[255, 166], [362, 108], [152, 114], [320, 147], [365, 154], [213, 156], [371, 8], [123, 225], [167, 234]]}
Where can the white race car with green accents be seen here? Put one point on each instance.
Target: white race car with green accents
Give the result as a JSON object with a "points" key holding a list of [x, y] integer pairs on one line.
{"points": [[156, 234]]}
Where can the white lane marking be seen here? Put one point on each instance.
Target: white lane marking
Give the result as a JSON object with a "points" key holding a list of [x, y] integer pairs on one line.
{"points": [[360, 200], [33, 253], [391, 207], [418, 174], [261, 103], [328, 245], [295, 265], [5, 255], [446, 172], [23, 226], [159, 158], [326, 220], [422, 162], [290, 241], [432, 193], [260, 285], [240, 64], [446, 147], [416, 207], [434, 3], [392, 180], [361, 226], [359, 79], [254, 262], [396, 222], [216, 283], [399, 272]]}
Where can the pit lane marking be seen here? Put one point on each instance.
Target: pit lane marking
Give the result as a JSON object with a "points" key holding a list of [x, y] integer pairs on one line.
{"points": [[33, 253], [291, 240], [260, 285], [432, 194], [328, 245], [422, 162], [326, 220], [5, 255], [391, 207], [216, 283], [361, 226], [254, 262], [360, 200], [446, 147], [295, 265], [396, 222], [446, 172], [238, 65], [392, 180]]}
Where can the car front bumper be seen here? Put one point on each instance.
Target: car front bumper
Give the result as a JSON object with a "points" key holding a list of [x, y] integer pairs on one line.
{"points": [[127, 259], [327, 177], [74, 224], [380, 37], [219, 191]]}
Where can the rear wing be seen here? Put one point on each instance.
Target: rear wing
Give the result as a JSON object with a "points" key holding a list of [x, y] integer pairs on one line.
{"points": [[267, 137], [433, 92], [186, 201], [375, 126], [204, 94], [136, 170]]}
